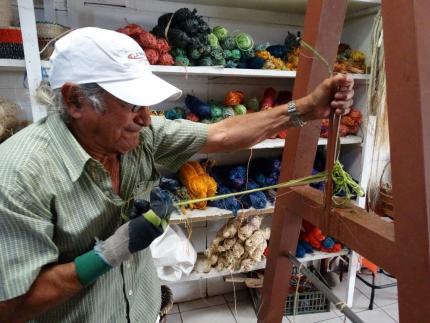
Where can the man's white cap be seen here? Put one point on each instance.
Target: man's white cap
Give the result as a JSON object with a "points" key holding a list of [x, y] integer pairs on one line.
{"points": [[111, 59]]}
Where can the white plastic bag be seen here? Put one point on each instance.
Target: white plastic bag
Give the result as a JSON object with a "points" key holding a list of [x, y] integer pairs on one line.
{"points": [[173, 254]]}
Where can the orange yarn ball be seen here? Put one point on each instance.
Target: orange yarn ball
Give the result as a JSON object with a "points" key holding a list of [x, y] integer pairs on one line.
{"points": [[152, 55], [234, 98], [198, 183]]}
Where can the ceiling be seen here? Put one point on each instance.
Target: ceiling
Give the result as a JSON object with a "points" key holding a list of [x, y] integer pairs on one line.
{"points": [[289, 6]]}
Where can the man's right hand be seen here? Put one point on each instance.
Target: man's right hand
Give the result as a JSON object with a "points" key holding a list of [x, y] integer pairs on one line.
{"points": [[148, 220]]}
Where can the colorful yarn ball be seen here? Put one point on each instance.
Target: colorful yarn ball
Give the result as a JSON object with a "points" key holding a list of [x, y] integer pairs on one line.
{"points": [[242, 63], [234, 98], [192, 117], [162, 45], [152, 55], [227, 53], [182, 60], [255, 63], [216, 111], [198, 183], [178, 52], [237, 177], [175, 113], [268, 100], [217, 53], [220, 62], [269, 65], [178, 38], [213, 41], [227, 112], [244, 41], [230, 63], [240, 109], [328, 243], [253, 104], [257, 200], [247, 53], [202, 110], [277, 50], [228, 43], [169, 183], [165, 59], [229, 203], [205, 61], [147, 40], [264, 54], [220, 32], [236, 54], [194, 53]]}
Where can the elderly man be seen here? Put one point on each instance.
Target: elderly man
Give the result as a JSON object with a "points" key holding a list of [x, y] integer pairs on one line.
{"points": [[67, 181]]}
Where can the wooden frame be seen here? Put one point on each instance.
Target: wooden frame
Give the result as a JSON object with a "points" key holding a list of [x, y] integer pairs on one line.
{"points": [[402, 248]]}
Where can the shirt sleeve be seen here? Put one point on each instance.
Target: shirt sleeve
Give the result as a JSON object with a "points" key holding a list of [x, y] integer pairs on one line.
{"points": [[26, 232], [175, 141]]}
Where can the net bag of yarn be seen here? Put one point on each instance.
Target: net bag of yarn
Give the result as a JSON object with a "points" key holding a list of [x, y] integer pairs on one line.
{"points": [[46, 32]]}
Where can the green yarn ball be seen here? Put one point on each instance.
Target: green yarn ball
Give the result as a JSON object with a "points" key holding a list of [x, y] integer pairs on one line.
{"points": [[248, 53], [235, 54], [244, 41], [231, 63], [182, 60], [262, 46], [205, 61], [220, 62], [228, 43], [216, 111], [213, 41], [228, 112], [177, 52], [217, 53], [220, 32], [253, 104], [227, 53], [194, 53], [240, 109]]}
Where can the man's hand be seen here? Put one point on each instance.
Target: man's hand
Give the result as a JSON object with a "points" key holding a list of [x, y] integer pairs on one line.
{"points": [[333, 93], [148, 221]]}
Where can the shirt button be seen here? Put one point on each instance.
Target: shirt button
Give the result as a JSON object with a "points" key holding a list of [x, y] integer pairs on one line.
{"points": [[130, 292]]}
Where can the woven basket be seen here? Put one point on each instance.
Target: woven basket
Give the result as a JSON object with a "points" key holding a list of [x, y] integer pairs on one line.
{"points": [[385, 195], [46, 32], [5, 13]]}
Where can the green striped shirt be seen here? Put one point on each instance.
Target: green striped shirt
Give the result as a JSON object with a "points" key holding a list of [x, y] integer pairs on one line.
{"points": [[55, 200]]}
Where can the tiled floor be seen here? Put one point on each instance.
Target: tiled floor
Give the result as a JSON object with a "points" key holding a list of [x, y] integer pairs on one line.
{"points": [[224, 309]]}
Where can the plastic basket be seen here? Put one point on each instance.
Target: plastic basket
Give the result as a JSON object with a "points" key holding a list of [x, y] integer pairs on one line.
{"points": [[308, 302]]}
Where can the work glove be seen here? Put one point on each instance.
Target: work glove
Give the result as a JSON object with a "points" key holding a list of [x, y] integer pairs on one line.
{"points": [[148, 220]]}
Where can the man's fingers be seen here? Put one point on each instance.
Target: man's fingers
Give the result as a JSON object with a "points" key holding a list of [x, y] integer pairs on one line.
{"points": [[341, 105], [344, 96]]}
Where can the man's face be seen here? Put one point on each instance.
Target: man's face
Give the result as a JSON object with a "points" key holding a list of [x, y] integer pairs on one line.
{"points": [[115, 130]]}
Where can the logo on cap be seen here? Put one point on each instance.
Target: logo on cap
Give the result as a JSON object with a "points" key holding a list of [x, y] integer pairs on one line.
{"points": [[136, 55]]}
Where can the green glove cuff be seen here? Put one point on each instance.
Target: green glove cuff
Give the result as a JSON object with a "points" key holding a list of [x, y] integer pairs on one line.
{"points": [[89, 267]]}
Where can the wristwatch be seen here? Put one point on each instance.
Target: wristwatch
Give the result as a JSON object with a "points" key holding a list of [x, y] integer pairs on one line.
{"points": [[294, 115]]}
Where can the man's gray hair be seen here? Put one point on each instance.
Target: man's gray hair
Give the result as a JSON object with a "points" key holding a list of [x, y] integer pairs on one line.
{"points": [[54, 102]]}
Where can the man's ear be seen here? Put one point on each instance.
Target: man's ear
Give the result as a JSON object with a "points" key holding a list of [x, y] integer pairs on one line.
{"points": [[71, 97]]}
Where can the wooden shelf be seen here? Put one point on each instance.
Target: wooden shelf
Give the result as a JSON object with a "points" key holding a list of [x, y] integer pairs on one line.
{"points": [[279, 143], [214, 213], [316, 255], [163, 70]]}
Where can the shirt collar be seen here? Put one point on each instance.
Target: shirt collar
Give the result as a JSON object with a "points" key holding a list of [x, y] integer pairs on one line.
{"points": [[72, 153]]}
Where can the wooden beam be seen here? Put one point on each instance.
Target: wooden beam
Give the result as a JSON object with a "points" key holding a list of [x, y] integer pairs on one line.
{"points": [[323, 25], [363, 232], [406, 26]]}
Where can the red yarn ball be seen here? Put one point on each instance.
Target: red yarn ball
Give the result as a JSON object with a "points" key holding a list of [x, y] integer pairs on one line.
{"points": [[166, 59], [192, 117], [162, 45], [152, 55], [147, 40]]}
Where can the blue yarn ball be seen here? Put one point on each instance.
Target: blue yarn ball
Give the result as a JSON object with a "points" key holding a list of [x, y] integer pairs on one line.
{"points": [[200, 109], [229, 203], [328, 243], [277, 50], [255, 62], [237, 177]]}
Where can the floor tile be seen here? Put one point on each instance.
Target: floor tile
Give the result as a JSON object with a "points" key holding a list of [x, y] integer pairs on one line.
{"points": [[243, 312], [175, 309], [220, 313], [201, 303], [374, 316], [174, 318], [392, 310], [240, 296], [384, 296], [311, 318]]}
